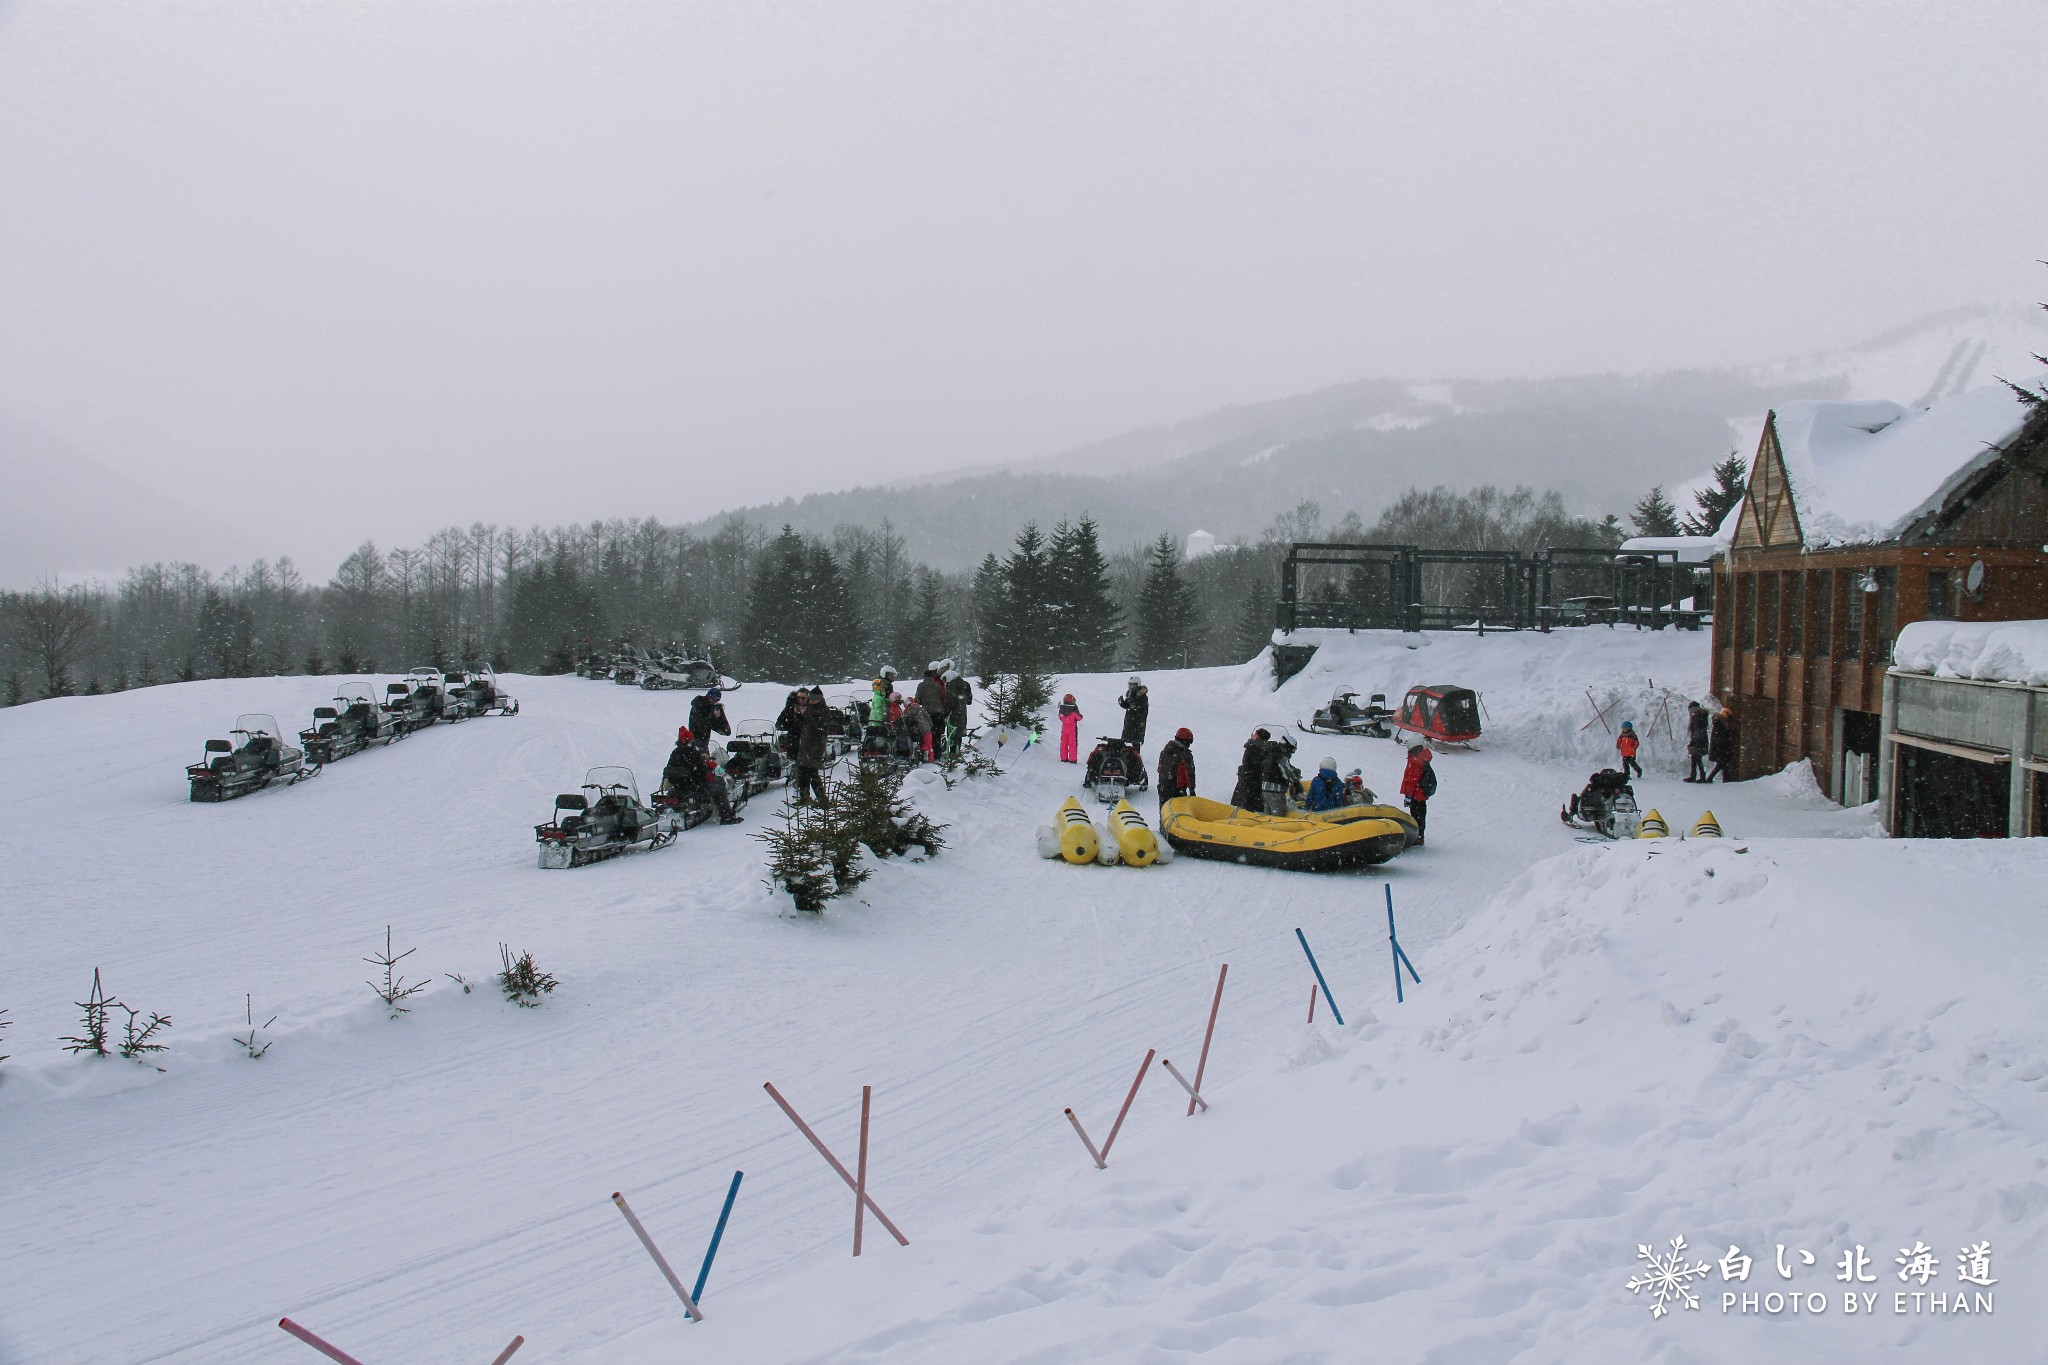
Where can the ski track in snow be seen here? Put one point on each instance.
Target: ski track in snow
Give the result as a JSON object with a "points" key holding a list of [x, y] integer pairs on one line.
{"points": [[420, 1189]]}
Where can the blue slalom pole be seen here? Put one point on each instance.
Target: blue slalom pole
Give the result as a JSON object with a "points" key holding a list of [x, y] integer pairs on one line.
{"points": [[1400, 955], [1314, 966], [716, 1233]]}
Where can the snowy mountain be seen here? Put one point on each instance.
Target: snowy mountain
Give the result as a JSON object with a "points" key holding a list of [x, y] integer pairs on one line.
{"points": [[1601, 441], [1798, 1035]]}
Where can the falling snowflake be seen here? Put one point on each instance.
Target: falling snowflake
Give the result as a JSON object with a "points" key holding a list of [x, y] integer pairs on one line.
{"points": [[1668, 1278]]}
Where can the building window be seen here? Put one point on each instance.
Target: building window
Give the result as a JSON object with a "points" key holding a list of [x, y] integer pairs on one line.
{"points": [[1852, 616], [1767, 612], [1819, 635], [1940, 606], [1795, 613], [1887, 615]]}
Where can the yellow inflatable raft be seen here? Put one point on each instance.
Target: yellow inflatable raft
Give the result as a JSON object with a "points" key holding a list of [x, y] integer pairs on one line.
{"points": [[1202, 828]]}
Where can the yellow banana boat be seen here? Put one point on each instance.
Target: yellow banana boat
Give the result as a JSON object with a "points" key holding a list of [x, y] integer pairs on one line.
{"points": [[1202, 828]]}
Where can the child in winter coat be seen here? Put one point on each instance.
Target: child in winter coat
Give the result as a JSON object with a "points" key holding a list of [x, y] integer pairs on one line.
{"points": [[1326, 792], [1356, 793], [1070, 730], [1627, 743], [878, 703], [1418, 784]]}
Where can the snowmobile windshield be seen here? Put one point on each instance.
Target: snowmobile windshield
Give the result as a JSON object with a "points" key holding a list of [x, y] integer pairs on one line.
{"points": [[602, 782], [249, 726], [353, 693]]}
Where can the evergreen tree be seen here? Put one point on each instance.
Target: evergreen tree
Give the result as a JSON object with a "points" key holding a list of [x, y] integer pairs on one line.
{"points": [[827, 623], [993, 649], [1084, 624], [921, 631], [1168, 624], [774, 642], [1027, 594], [1256, 620], [1731, 478], [1654, 515]]}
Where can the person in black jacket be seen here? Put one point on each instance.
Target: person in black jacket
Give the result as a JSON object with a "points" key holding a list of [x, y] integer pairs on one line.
{"points": [[687, 774], [1177, 766], [1249, 793], [959, 696], [1137, 709], [1696, 741], [1721, 746], [707, 717], [809, 730]]}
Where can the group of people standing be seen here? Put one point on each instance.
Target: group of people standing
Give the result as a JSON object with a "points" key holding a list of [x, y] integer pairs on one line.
{"points": [[1709, 739], [930, 723]]}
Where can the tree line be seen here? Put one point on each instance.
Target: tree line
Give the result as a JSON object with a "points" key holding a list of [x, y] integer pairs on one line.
{"points": [[781, 605]]}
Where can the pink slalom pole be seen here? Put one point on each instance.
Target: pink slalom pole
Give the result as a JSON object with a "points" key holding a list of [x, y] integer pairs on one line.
{"points": [[331, 1351], [1117, 1127], [1083, 1133], [1194, 1095], [860, 1169], [834, 1162], [689, 1304], [506, 1354], [1312, 1002], [1202, 1063]]}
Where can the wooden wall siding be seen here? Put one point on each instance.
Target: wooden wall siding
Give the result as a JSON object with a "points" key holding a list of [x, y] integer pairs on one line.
{"points": [[1769, 521]]}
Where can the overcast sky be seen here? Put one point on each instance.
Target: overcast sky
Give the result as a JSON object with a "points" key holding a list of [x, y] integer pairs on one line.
{"points": [[382, 267]]}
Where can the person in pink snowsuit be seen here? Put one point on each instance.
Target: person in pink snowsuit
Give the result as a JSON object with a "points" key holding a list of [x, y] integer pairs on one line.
{"points": [[1070, 730]]}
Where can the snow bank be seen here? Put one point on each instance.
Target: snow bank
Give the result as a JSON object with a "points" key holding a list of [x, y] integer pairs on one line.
{"points": [[1986, 651]]}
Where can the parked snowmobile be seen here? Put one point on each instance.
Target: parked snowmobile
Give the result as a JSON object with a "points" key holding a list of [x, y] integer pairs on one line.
{"points": [[674, 672], [1607, 806], [1114, 770], [882, 746], [475, 693], [1346, 715], [351, 725], [626, 665], [607, 817], [254, 756], [752, 765]]}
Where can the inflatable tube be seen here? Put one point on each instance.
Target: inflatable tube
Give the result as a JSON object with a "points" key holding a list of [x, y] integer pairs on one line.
{"points": [[1079, 842], [1344, 815], [1048, 841], [1137, 844], [1202, 828], [1652, 826]]}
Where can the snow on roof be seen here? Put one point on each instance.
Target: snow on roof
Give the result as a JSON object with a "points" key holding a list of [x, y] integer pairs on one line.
{"points": [[1691, 549], [1864, 471], [1984, 651]]}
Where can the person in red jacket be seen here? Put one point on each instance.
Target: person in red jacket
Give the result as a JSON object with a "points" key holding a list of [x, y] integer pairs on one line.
{"points": [[1418, 784], [1627, 743], [1177, 766]]}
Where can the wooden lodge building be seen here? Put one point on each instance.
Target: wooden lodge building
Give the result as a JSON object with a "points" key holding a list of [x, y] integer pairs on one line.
{"points": [[1860, 517]]}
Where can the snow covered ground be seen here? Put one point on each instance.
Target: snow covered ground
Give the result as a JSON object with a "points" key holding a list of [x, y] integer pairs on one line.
{"points": [[1797, 1035]]}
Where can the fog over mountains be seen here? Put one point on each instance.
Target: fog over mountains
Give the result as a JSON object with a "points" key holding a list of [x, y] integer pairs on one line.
{"points": [[1598, 440]]}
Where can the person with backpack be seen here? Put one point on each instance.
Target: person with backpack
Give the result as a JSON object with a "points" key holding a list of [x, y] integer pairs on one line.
{"points": [[1249, 793], [1627, 744], [1326, 789], [1696, 739], [1177, 766], [1418, 784], [1070, 730], [1282, 780]]}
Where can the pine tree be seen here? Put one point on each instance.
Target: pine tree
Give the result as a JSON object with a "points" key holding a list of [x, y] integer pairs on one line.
{"points": [[774, 644], [1027, 601], [1168, 625], [993, 648], [827, 624], [1255, 621], [1731, 478], [921, 631], [1654, 515], [1085, 625]]}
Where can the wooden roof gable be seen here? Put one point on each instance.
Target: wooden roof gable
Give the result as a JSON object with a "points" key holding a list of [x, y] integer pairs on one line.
{"points": [[1768, 520]]}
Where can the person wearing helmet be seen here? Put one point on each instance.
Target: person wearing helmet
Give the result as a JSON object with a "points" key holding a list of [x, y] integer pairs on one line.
{"points": [[1137, 708], [1356, 793], [1626, 745], [1326, 790], [687, 775], [1281, 779], [1251, 770], [1177, 766], [1418, 784], [707, 717], [1070, 729]]}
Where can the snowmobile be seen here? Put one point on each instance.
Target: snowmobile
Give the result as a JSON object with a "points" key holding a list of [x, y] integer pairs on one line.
{"points": [[674, 672], [419, 698], [475, 693], [883, 746], [1114, 770], [1346, 715], [607, 817], [752, 765], [351, 725], [1607, 806], [627, 665], [254, 756]]}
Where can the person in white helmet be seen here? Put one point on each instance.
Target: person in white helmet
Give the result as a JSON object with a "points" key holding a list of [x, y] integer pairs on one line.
{"points": [[1137, 710]]}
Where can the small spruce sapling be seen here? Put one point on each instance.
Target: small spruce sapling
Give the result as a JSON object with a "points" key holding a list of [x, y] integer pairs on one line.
{"points": [[394, 990], [136, 1041], [524, 984], [250, 1042], [93, 1031], [810, 859]]}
